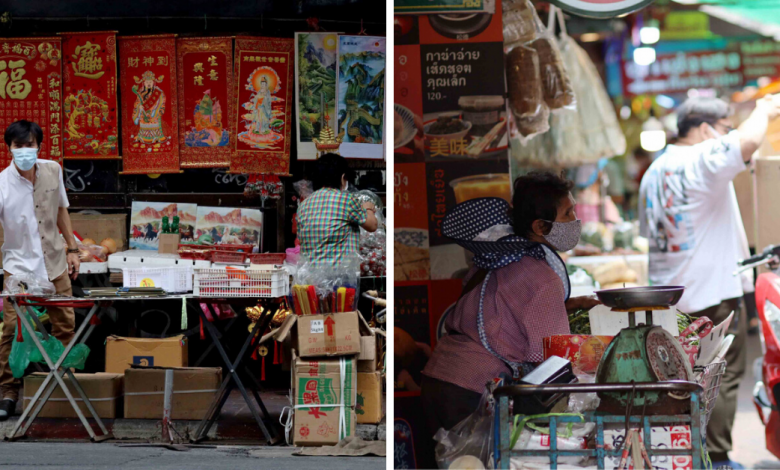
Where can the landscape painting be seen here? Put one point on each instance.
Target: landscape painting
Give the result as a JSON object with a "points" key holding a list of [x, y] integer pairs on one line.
{"points": [[229, 226], [146, 223]]}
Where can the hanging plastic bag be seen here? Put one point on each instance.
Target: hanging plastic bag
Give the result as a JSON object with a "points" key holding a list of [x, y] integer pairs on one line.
{"points": [[471, 437], [23, 353], [26, 283], [520, 21]]}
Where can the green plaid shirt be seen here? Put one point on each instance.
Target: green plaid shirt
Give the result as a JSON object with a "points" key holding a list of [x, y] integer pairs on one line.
{"points": [[329, 226]]}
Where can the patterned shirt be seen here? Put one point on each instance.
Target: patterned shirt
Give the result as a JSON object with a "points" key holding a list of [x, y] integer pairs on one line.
{"points": [[329, 226], [524, 303]]}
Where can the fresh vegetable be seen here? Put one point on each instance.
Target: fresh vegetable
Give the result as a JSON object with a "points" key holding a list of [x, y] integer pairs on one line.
{"points": [[579, 322]]}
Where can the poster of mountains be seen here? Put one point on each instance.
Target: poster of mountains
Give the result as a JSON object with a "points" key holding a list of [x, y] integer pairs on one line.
{"points": [[229, 226], [146, 222], [315, 88], [361, 95]]}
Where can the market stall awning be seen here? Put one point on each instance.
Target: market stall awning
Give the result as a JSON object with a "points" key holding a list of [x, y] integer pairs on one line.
{"points": [[760, 16]]}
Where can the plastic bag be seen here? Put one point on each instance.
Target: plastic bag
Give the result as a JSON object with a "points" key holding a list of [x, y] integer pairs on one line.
{"points": [[582, 402], [521, 24], [556, 86], [22, 354], [471, 437], [326, 280], [26, 283]]}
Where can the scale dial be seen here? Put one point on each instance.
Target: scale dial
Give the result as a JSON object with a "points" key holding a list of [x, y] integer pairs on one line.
{"points": [[666, 357]]}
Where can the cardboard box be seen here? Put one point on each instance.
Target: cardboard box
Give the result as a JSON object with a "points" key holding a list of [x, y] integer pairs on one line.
{"points": [[319, 381], [122, 353], [337, 334], [193, 392], [169, 243], [368, 357], [743, 187], [98, 227], [767, 217], [368, 405], [584, 351], [104, 391]]}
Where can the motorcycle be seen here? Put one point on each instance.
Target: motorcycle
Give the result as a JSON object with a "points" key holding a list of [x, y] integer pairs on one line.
{"points": [[766, 369]]}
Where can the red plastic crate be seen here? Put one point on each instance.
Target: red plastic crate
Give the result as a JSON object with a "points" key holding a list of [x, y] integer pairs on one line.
{"points": [[186, 253], [244, 248], [267, 258], [229, 257]]}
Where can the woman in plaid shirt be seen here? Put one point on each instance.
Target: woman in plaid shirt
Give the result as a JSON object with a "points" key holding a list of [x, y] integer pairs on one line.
{"points": [[329, 220], [516, 294]]}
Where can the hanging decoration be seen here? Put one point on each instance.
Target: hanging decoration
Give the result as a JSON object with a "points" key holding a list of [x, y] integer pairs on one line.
{"points": [[90, 127], [315, 88], [264, 186], [207, 131], [361, 96], [31, 89], [150, 126], [264, 81]]}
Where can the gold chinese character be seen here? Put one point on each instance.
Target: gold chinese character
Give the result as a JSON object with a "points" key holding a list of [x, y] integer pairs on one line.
{"points": [[283, 60], [55, 95], [439, 147], [54, 83], [40, 80], [132, 62], [458, 147], [54, 106], [89, 65], [17, 49], [213, 75], [198, 67], [162, 60], [28, 50], [264, 59], [246, 58], [199, 80], [17, 88], [54, 129], [213, 61], [252, 58], [276, 59], [40, 96], [54, 116], [6, 48], [148, 60]]}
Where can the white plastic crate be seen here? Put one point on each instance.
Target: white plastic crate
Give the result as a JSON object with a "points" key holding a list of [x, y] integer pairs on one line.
{"points": [[224, 282], [146, 258], [175, 280]]}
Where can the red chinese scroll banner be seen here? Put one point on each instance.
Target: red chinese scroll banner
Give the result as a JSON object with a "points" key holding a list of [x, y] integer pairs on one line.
{"points": [[150, 125], [90, 128], [207, 133], [30, 88], [265, 81]]}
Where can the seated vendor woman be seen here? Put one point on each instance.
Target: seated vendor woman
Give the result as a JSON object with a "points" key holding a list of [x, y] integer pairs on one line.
{"points": [[516, 294]]}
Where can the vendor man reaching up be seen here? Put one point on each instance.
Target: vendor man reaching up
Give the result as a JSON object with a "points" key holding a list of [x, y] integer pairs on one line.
{"points": [[33, 210]]}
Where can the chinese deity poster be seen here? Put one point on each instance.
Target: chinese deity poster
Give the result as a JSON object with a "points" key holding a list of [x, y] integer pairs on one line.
{"points": [[361, 96], [207, 131], [315, 88], [90, 125], [150, 125], [265, 81], [30, 88]]}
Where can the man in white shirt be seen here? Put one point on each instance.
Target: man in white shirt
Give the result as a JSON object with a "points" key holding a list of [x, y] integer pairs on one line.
{"points": [[688, 210], [33, 211]]}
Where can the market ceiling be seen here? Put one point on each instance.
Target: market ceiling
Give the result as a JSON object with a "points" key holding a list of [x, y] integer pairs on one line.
{"points": [[760, 16]]}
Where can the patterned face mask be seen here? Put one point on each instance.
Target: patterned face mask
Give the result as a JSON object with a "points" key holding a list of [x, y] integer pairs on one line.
{"points": [[564, 236]]}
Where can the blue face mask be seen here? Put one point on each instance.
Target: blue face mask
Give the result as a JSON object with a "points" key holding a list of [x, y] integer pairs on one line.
{"points": [[25, 158]]}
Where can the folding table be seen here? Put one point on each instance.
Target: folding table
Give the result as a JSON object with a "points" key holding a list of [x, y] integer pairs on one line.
{"points": [[23, 304]]}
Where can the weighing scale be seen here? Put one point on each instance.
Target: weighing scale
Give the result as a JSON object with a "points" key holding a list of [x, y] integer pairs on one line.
{"points": [[643, 353]]}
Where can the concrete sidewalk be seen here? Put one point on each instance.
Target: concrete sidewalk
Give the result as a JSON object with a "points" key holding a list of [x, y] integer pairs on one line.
{"points": [[235, 425]]}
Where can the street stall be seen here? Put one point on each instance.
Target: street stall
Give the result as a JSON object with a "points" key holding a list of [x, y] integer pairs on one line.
{"points": [[183, 175]]}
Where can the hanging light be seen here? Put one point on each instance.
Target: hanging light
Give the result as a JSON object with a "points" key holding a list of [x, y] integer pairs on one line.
{"points": [[644, 55], [650, 33], [653, 136]]}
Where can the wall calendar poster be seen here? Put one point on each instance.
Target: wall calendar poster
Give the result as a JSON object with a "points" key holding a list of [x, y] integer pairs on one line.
{"points": [[207, 133], [31, 89], [90, 127], [150, 125]]}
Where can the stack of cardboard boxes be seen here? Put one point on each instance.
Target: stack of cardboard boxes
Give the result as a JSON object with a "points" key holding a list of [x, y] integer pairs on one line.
{"points": [[143, 388], [335, 382]]}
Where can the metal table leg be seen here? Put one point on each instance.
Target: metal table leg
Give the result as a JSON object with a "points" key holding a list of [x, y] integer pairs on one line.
{"points": [[47, 387], [233, 380]]}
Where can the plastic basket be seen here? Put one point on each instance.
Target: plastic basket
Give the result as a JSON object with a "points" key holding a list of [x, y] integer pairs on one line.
{"points": [[228, 257], [174, 280], [710, 379], [267, 258], [188, 253], [244, 248], [227, 282]]}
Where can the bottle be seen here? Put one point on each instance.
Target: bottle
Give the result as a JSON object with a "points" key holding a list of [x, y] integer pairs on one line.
{"points": [[175, 226], [165, 227]]}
